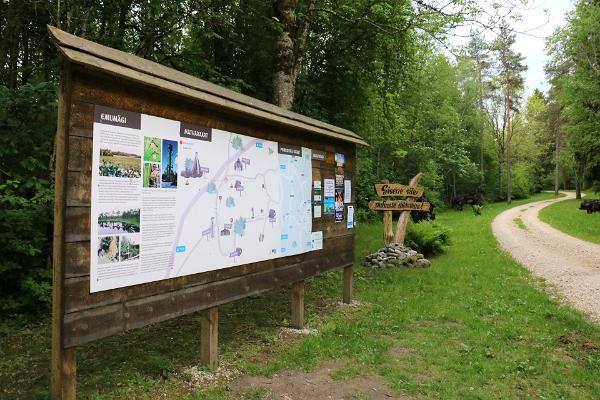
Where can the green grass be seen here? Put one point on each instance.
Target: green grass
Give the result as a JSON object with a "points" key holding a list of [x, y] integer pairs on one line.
{"points": [[473, 326], [568, 218], [519, 222]]}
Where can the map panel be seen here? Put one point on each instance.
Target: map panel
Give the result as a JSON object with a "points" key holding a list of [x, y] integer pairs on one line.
{"points": [[171, 199], [229, 196], [295, 165]]}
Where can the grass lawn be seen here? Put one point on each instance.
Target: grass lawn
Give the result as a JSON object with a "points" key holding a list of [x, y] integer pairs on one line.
{"points": [[567, 217], [473, 326]]}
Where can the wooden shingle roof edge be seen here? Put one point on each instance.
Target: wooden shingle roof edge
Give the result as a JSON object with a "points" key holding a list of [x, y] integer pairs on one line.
{"points": [[116, 62]]}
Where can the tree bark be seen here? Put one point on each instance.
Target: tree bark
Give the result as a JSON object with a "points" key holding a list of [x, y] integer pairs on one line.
{"points": [[284, 81], [508, 174], [481, 131], [578, 179], [289, 50], [556, 168]]}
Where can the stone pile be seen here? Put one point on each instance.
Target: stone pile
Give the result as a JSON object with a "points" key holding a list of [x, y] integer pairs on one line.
{"points": [[395, 255]]}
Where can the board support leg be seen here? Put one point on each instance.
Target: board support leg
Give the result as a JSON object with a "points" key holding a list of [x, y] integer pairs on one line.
{"points": [[64, 374], [347, 285], [297, 295], [388, 232], [209, 337], [63, 364]]}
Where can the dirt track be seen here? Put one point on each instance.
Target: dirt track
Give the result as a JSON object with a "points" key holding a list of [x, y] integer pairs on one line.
{"points": [[570, 264]]}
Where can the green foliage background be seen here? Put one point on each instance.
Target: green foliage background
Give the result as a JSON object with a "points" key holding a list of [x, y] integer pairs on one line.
{"points": [[27, 126], [378, 68]]}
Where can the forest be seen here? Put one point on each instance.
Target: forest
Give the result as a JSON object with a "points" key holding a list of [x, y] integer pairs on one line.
{"points": [[381, 68]]}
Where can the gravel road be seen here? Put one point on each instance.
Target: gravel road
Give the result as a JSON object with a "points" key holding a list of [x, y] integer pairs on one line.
{"points": [[572, 265]]}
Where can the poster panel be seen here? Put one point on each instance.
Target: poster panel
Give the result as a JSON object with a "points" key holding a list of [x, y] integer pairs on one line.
{"points": [[171, 199]]}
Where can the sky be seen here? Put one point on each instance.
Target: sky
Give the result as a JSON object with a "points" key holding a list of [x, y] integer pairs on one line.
{"points": [[539, 20]]}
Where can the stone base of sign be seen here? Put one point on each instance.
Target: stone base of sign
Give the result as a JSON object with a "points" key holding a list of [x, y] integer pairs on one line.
{"points": [[396, 255]]}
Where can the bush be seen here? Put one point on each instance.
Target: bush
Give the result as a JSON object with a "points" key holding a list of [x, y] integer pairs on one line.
{"points": [[366, 215], [428, 237], [522, 182], [477, 209], [27, 127]]}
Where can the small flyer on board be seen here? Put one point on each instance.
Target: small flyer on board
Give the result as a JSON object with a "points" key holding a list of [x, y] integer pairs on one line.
{"points": [[317, 199], [317, 240], [340, 163], [317, 211], [328, 205], [350, 219], [347, 191], [329, 190], [317, 192], [339, 205]]}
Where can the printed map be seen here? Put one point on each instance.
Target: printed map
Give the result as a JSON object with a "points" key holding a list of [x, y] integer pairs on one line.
{"points": [[228, 201], [296, 213]]}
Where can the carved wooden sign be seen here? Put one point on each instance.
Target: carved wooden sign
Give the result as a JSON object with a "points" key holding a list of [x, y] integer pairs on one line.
{"points": [[396, 189], [398, 205]]}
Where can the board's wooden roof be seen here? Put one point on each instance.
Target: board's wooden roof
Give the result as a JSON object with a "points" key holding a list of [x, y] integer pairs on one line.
{"points": [[138, 69]]}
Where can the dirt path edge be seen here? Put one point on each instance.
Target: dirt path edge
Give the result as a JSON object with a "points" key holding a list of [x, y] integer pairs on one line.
{"points": [[571, 265]]}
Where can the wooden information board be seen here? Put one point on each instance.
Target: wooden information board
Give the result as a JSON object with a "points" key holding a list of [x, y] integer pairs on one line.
{"points": [[97, 76]]}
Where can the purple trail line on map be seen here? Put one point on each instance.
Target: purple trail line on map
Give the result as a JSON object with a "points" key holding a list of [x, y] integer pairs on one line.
{"points": [[197, 197]]}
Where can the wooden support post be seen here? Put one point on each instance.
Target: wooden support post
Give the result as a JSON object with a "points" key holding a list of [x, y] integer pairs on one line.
{"points": [[297, 295], [69, 374], [404, 217], [388, 230], [347, 292], [209, 337], [63, 377]]}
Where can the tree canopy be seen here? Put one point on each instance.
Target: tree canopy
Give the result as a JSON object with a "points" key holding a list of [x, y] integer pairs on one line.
{"points": [[378, 67]]}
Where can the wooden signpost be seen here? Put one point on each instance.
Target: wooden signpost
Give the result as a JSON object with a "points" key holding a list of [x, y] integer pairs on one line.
{"points": [[394, 189], [386, 189], [103, 93]]}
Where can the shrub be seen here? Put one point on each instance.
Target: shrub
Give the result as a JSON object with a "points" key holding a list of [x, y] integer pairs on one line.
{"points": [[428, 237], [477, 209], [366, 215], [27, 126], [522, 182]]}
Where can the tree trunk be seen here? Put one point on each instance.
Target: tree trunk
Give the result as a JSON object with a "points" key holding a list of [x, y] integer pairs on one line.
{"points": [[454, 184], [578, 178], [481, 131], [508, 174], [556, 161], [500, 162], [284, 80], [481, 161], [289, 50], [507, 139]]}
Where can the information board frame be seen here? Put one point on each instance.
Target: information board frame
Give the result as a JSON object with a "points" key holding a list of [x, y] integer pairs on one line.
{"points": [[92, 75]]}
